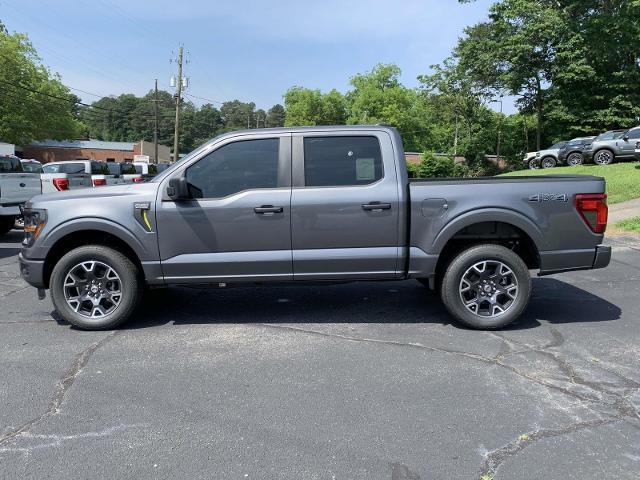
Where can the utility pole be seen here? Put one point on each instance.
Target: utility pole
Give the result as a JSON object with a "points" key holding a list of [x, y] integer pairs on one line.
{"points": [[499, 126], [178, 99], [155, 124]]}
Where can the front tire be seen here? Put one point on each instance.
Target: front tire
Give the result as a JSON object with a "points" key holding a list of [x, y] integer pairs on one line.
{"points": [[486, 287], [534, 164], [95, 287], [548, 162]]}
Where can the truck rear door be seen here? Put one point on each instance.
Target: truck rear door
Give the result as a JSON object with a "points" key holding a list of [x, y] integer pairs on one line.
{"points": [[345, 206]]}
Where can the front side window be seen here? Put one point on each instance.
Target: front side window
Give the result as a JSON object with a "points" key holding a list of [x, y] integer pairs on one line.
{"points": [[341, 161], [235, 167]]}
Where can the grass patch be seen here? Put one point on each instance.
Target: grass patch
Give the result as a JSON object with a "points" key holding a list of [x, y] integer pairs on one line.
{"points": [[623, 179], [630, 224]]}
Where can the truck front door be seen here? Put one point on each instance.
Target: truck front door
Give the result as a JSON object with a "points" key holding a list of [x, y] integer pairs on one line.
{"points": [[344, 206], [236, 226]]}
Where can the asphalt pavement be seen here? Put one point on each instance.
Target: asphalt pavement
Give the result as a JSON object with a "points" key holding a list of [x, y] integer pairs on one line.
{"points": [[354, 381]]}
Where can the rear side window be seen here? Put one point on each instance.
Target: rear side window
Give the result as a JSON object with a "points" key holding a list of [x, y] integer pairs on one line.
{"points": [[341, 161], [32, 167], [72, 168], [153, 170], [99, 168], [128, 169], [237, 166], [10, 165], [114, 168]]}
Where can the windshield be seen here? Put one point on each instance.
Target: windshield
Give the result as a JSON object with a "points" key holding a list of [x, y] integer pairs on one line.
{"points": [[556, 146]]}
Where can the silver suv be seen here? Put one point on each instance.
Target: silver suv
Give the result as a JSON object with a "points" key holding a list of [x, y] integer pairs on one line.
{"points": [[613, 145], [549, 158]]}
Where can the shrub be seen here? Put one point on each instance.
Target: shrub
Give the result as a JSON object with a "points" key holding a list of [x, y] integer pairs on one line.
{"points": [[436, 166]]}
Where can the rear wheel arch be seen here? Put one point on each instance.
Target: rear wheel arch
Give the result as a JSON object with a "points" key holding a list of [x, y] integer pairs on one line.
{"points": [[490, 227]]}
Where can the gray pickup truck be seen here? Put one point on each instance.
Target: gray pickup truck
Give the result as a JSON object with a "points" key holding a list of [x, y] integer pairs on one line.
{"points": [[316, 204]]}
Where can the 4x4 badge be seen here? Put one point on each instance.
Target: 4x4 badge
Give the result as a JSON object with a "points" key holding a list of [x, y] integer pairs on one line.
{"points": [[549, 197]]}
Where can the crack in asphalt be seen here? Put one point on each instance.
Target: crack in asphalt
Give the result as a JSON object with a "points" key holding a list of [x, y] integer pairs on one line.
{"points": [[621, 409], [62, 387], [496, 458]]}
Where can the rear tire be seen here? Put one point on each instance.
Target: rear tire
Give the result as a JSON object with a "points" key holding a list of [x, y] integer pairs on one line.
{"points": [[6, 224], [95, 287], [575, 159], [603, 157], [500, 292]]}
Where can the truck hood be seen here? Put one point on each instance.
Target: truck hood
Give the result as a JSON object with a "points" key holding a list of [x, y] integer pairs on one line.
{"points": [[96, 193]]}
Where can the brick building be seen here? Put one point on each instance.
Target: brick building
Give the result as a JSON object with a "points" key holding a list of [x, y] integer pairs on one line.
{"points": [[56, 151]]}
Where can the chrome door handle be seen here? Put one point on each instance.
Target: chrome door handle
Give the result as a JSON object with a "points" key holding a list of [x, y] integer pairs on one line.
{"points": [[265, 209], [376, 206]]}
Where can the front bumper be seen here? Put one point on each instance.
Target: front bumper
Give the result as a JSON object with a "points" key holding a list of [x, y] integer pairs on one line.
{"points": [[558, 261], [32, 271]]}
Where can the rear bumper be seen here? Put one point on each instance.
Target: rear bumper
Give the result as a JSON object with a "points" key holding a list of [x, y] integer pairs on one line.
{"points": [[558, 261], [32, 271]]}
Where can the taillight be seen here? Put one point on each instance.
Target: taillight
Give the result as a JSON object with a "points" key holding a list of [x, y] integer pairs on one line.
{"points": [[593, 209], [99, 182], [138, 179], [61, 184]]}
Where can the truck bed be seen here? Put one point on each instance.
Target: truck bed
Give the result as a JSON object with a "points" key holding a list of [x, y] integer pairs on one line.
{"points": [[542, 207]]}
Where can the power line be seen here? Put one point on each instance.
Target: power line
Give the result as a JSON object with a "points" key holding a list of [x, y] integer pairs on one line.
{"points": [[204, 98], [77, 102]]}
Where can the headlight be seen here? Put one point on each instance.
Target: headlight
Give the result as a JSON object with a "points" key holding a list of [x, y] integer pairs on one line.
{"points": [[537, 154], [34, 221]]}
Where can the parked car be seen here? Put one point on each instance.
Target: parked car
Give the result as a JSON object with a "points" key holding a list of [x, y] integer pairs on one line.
{"points": [[530, 161], [549, 158], [614, 147], [124, 171], [31, 166], [16, 187], [146, 170], [572, 153], [315, 204], [73, 174]]}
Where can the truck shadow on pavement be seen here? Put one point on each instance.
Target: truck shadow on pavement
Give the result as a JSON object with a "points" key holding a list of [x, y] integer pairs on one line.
{"points": [[552, 301]]}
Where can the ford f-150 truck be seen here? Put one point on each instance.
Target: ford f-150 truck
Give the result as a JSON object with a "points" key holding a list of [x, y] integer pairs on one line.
{"points": [[315, 204], [16, 187]]}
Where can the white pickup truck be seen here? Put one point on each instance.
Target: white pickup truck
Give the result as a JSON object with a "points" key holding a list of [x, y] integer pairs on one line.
{"points": [[16, 187], [72, 174]]}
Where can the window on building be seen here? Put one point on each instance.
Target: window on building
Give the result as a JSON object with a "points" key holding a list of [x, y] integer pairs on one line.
{"points": [[339, 161], [235, 167]]}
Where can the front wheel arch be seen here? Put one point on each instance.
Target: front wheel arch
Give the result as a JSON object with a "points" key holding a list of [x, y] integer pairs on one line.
{"points": [[87, 237]]}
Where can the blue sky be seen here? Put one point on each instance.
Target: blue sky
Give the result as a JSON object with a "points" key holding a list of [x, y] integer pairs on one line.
{"points": [[246, 49]]}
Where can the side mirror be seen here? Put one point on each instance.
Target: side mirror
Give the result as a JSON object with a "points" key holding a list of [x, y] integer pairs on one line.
{"points": [[626, 138], [178, 189]]}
